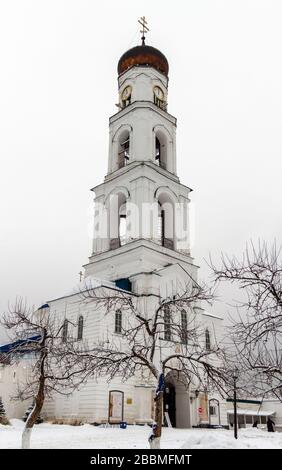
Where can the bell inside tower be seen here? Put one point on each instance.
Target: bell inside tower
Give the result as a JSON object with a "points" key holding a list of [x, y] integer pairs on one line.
{"points": [[160, 150], [123, 149]]}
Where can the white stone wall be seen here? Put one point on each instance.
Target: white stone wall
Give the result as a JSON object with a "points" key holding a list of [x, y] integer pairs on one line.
{"points": [[10, 377]]}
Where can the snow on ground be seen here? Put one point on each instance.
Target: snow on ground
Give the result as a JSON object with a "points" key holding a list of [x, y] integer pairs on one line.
{"points": [[55, 436]]}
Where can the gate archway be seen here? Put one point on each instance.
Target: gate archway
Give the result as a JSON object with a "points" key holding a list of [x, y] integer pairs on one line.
{"points": [[177, 402]]}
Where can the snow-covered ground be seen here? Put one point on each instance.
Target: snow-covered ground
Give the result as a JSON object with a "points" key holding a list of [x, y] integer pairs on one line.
{"points": [[55, 436]]}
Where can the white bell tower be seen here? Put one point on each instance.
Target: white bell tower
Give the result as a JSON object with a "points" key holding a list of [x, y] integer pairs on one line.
{"points": [[141, 221], [142, 130]]}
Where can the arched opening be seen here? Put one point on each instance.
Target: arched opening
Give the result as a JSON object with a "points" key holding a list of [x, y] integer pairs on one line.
{"points": [[123, 148], [167, 323], [118, 220], [208, 340], [118, 321], [122, 224], [165, 227], [161, 149], [80, 328], [65, 331], [116, 406], [214, 411], [161, 219], [184, 327], [158, 151], [176, 402], [169, 405]]}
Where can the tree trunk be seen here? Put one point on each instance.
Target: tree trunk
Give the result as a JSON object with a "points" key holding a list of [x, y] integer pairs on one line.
{"points": [[32, 419], [26, 438], [155, 442], [35, 413]]}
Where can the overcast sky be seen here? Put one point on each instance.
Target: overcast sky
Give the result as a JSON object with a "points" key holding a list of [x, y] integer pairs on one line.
{"points": [[58, 87]]}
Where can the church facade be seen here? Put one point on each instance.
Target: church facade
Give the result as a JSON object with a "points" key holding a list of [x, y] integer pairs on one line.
{"points": [[141, 247], [141, 244]]}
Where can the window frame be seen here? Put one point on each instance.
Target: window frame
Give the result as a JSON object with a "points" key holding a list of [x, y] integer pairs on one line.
{"points": [[167, 323], [184, 327], [65, 331], [80, 326], [213, 410], [207, 340], [118, 322]]}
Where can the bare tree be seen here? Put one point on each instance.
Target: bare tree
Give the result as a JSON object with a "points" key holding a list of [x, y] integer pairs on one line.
{"points": [[53, 363], [155, 340], [257, 330]]}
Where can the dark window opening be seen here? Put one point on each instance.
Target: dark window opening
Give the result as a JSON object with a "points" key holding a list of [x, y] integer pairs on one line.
{"points": [[184, 326], [158, 151], [123, 155], [118, 322], [212, 410], [124, 284], [65, 331], [80, 328], [208, 340], [167, 324]]}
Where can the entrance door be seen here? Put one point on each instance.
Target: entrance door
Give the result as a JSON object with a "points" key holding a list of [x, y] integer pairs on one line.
{"points": [[169, 403], [115, 406]]}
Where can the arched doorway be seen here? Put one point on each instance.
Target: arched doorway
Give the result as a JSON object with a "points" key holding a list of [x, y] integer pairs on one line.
{"points": [[176, 402], [169, 404], [116, 406]]}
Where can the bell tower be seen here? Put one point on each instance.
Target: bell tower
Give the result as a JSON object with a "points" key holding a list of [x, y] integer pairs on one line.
{"points": [[142, 130], [141, 220]]}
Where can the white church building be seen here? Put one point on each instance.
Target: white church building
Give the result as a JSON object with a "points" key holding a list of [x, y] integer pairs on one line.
{"points": [[141, 246]]}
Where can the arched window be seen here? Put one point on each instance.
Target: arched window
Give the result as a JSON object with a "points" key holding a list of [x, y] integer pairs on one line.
{"points": [[208, 340], [65, 331], [184, 326], [161, 149], [158, 151], [122, 224], [80, 328], [167, 324], [123, 149], [116, 406], [118, 220], [118, 321]]}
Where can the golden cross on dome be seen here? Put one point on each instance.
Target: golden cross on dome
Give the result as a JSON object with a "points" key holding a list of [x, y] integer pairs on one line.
{"points": [[144, 29]]}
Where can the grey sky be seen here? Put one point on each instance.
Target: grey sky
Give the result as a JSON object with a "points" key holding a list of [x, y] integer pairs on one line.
{"points": [[58, 87]]}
